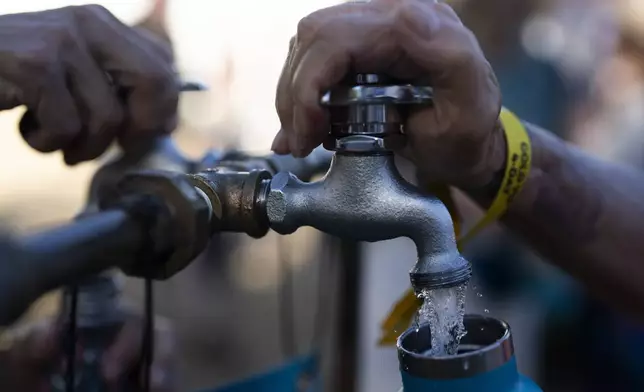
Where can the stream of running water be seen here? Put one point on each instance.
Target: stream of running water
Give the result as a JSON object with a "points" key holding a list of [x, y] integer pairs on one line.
{"points": [[443, 310]]}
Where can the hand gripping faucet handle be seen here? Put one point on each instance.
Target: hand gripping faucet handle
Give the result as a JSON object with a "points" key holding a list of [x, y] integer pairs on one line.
{"points": [[363, 196], [371, 105]]}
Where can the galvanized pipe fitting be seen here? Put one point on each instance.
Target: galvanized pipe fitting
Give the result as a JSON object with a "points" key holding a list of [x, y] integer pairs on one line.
{"points": [[237, 199], [363, 196]]}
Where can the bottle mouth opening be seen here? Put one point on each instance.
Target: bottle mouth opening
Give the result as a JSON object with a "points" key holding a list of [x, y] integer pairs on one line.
{"points": [[486, 346]]}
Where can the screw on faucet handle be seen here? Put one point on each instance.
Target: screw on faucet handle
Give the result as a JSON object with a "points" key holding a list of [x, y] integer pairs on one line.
{"points": [[371, 105]]}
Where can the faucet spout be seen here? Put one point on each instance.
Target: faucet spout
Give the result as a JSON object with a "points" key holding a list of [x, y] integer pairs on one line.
{"points": [[363, 197]]}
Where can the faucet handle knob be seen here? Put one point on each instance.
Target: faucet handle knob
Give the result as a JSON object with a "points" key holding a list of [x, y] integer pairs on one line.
{"points": [[372, 89], [371, 105]]}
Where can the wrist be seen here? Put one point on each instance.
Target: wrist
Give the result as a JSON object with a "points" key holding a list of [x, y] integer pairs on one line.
{"points": [[490, 176]]}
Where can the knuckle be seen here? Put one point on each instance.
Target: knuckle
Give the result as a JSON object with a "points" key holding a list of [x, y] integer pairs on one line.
{"points": [[407, 14], [283, 103], [298, 90], [64, 39], [284, 109], [302, 93], [93, 16], [158, 79], [111, 118], [307, 28], [158, 87], [462, 57], [38, 65], [447, 10], [89, 11]]}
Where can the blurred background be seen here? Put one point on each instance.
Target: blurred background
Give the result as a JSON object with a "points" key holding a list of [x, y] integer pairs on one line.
{"points": [[575, 67]]}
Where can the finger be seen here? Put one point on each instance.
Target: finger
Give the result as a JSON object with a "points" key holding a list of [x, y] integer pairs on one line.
{"points": [[161, 44], [350, 36], [100, 109], [147, 79], [154, 26], [437, 43], [124, 354], [448, 10], [283, 102], [280, 143], [51, 122], [323, 65], [10, 95]]}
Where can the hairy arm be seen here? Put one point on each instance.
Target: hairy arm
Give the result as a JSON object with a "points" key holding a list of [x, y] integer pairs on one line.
{"points": [[585, 215]]}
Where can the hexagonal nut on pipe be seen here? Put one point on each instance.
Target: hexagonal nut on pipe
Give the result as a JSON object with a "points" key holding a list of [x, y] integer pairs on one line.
{"points": [[277, 203], [187, 228]]}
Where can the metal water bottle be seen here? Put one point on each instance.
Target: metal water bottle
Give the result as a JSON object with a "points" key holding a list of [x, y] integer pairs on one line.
{"points": [[485, 361], [99, 319]]}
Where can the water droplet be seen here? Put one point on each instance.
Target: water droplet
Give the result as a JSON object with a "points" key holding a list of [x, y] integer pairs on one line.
{"points": [[466, 365], [486, 311], [479, 295]]}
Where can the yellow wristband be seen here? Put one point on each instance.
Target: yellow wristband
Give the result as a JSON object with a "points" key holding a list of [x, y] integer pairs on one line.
{"points": [[519, 156], [517, 170]]}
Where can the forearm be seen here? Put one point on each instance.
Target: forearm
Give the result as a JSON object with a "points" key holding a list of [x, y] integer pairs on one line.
{"points": [[585, 215]]}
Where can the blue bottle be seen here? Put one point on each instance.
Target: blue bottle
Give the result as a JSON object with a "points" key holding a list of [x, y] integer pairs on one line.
{"points": [[485, 361]]}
